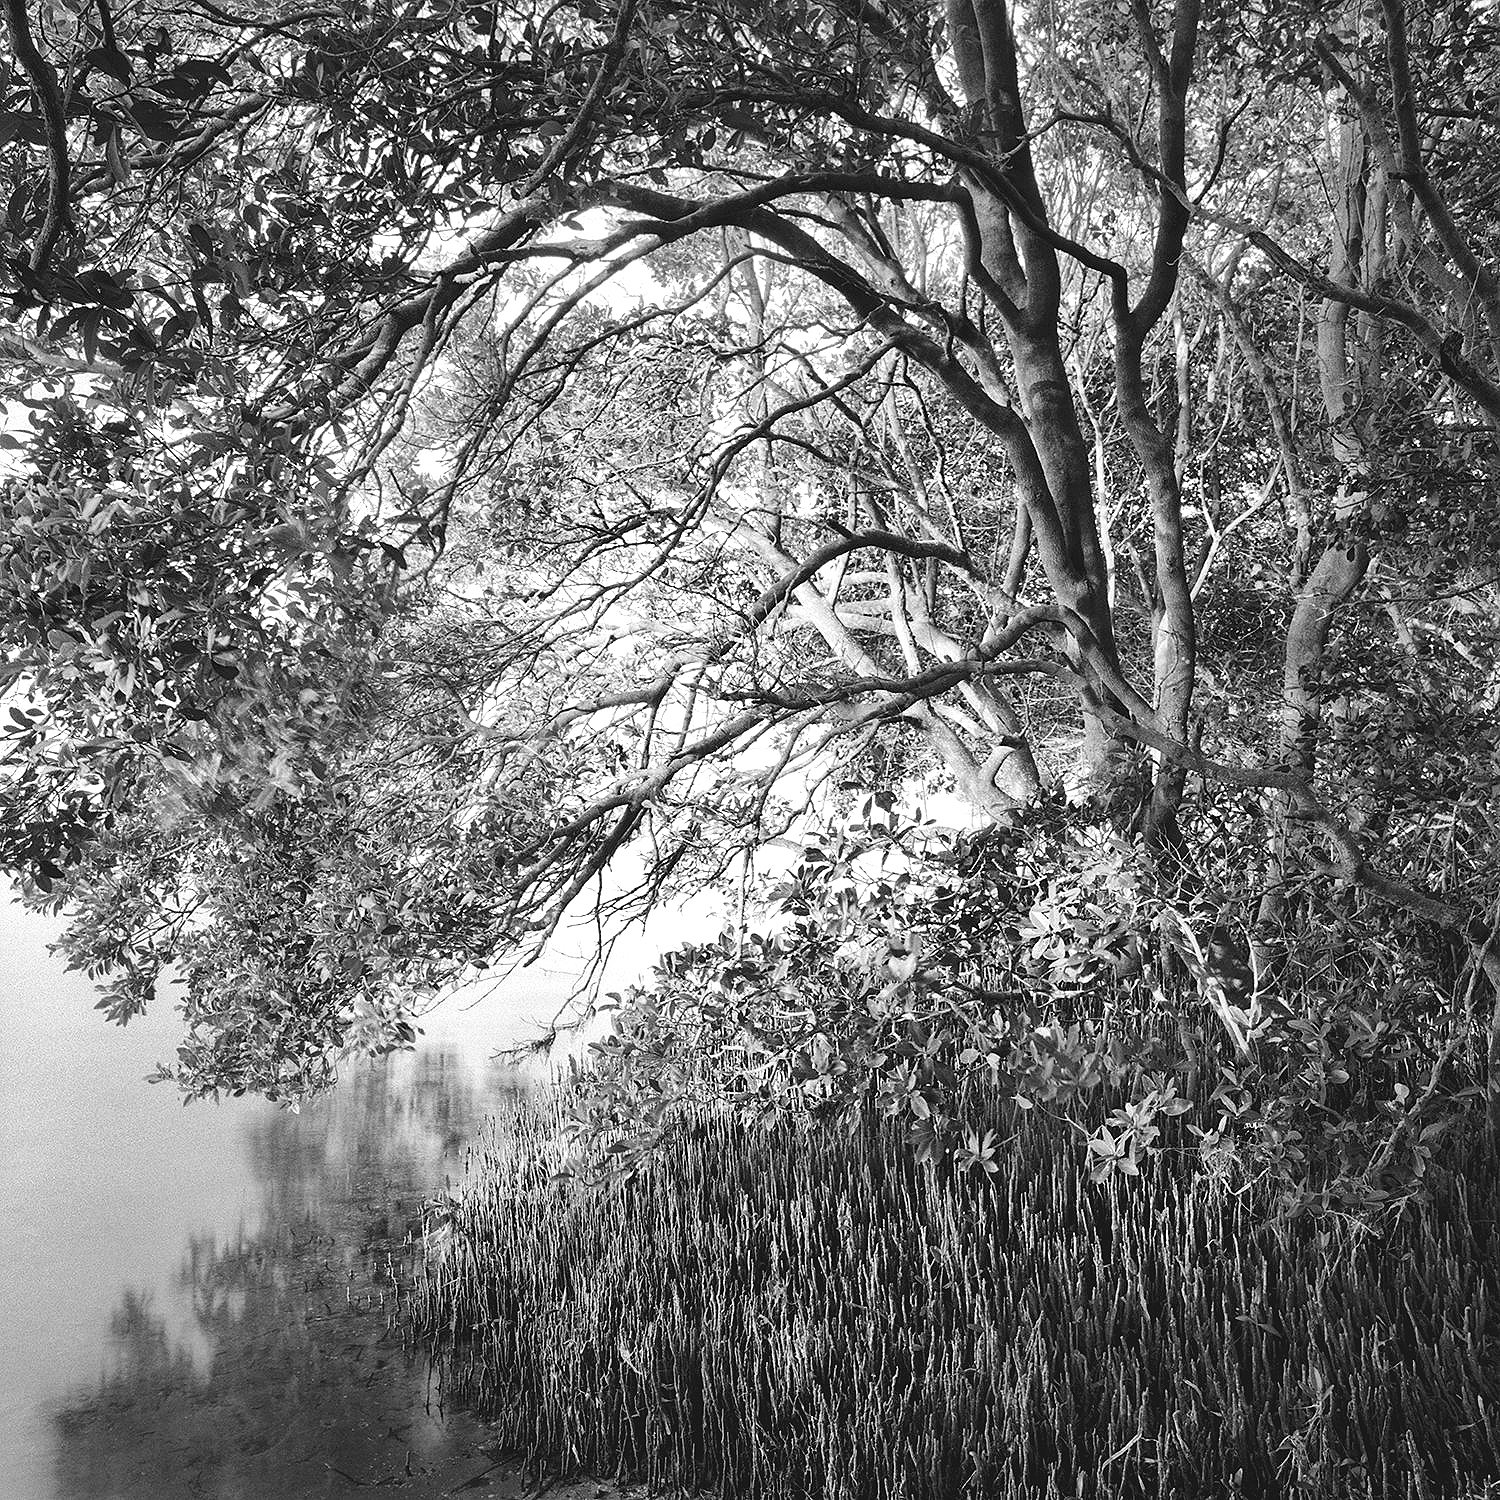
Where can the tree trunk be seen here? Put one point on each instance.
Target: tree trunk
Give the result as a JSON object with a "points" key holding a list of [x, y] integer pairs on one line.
{"points": [[1348, 377]]}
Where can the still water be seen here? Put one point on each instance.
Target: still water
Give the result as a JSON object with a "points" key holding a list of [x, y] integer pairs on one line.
{"points": [[195, 1299]]}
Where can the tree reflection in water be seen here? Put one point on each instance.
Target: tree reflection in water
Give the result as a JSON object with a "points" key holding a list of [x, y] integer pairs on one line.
{"points": [[285, 1377]]}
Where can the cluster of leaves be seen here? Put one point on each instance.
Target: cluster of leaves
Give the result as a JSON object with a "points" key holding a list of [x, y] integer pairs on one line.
{"points": [[208, 765], [147, 623], [902, 972], [300, 928]]}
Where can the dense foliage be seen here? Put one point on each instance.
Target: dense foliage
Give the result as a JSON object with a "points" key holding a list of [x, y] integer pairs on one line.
{"points": [[471, 462], [900, 973]]}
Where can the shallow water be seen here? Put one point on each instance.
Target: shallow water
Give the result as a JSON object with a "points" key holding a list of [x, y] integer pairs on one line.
{"points": [[196, 1300]]}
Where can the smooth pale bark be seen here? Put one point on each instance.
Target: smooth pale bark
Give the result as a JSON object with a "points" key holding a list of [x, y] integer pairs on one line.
{"points": [[1174, 625], [995, 784], [1049, 455], [1348, 381]]}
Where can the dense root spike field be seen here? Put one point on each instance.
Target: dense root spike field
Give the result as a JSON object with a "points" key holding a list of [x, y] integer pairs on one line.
{"points": [[789, 1314]]}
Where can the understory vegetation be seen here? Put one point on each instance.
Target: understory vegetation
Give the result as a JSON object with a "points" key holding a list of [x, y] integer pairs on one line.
{"points": [[976, 1166], [894, 968], [784, 1312]]}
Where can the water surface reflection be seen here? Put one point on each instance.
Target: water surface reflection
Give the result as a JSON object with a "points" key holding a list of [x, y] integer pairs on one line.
{"points": [[197, 1301], [285, 1377]]}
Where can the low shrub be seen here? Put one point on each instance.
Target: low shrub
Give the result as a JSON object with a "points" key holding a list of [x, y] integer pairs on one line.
{"points": [[899, 971]]}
